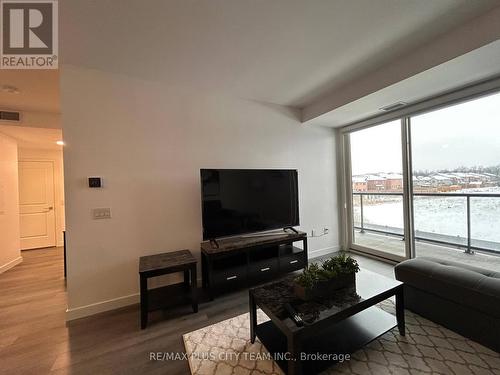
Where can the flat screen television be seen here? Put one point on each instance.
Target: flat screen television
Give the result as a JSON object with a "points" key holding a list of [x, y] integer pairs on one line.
{"points": [[239, 201]]}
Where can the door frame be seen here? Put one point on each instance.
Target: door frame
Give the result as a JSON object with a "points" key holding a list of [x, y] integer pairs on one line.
{"points": [[56, 215]]}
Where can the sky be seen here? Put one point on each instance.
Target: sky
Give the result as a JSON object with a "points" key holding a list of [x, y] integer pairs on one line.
{"points": [[466, 134]]}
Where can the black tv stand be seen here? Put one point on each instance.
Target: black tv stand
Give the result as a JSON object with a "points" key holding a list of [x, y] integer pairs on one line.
{"points": [[245, 261], [290, 228], [213, 242]]}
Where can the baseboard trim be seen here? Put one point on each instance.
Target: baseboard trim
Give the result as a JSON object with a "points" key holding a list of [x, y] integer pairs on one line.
{"points": [[12, 263], [109, 305], [324, 251], [116, 303], [99, 307]]}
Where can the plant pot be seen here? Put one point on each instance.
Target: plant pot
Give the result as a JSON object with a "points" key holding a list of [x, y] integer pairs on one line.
{"points": [[325, 288]]}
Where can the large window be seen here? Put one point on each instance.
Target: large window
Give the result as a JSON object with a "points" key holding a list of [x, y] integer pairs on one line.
{"points": [[452, 202], [456, 178]]}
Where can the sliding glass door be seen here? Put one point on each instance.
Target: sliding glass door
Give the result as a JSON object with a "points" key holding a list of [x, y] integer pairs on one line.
{"points": [[377, 190], [427, 184]]}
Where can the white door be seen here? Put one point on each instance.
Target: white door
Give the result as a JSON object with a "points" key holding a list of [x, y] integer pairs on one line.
{"points": [[36, 204]]}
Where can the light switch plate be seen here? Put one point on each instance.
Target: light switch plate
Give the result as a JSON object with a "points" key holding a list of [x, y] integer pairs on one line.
{"points": [[101, 213]]}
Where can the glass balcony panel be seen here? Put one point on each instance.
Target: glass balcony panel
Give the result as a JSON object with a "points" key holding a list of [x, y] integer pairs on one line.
{"points": [[441, 219], [382, 227], [485, 223], [356, 210]]}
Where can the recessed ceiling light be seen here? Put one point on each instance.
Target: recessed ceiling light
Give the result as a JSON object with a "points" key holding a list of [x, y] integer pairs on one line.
{"points": [[9, 89], [60, 143]]}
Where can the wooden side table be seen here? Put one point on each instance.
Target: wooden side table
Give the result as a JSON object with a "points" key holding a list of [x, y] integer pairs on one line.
{"points": [[162, 264]]}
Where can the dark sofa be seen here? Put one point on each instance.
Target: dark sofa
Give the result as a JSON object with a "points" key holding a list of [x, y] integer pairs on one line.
{"points": [[460, 297]]}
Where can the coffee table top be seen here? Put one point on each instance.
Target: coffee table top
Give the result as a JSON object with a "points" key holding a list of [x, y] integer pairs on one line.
{"points": [[370, 288]]}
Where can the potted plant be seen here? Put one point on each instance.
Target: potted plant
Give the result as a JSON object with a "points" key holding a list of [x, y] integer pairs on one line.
{"points": [[318, 281]]}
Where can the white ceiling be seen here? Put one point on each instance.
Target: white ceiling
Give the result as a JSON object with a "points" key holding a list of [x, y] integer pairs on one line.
{"points": [[289, 52], [480, 64], [34, 138], [38, 90]]}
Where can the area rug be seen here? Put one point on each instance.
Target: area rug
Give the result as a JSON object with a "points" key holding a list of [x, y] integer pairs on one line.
{"points": [[224, 348]]}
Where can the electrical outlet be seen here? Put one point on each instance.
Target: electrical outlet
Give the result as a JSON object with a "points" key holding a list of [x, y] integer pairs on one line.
{"points": [[101, 213], [319, 233]]}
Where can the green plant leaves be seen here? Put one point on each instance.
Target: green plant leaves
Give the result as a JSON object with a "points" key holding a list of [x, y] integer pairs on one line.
{"points": [[329, 269]]}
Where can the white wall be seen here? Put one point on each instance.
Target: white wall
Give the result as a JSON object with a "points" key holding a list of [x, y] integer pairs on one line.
{"points": [[55, 156], [148, 143], [10, 254]]}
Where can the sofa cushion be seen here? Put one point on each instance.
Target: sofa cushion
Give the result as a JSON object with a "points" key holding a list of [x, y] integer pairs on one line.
{"points": [[473, 286]]}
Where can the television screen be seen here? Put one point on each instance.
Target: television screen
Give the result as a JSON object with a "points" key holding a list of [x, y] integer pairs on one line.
{"points": [[238, 201]]}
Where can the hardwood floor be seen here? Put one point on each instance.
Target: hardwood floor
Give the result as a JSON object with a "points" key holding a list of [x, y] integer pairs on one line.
{"points": [[34, 338]]}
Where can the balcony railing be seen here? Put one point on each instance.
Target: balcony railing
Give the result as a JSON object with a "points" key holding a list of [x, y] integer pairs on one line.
{"points": [[467, 243]]}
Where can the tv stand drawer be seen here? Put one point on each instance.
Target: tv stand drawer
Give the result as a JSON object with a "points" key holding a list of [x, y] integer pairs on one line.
{"points": [[263, 269], [292, 262], [230, 276], [250, 261]]}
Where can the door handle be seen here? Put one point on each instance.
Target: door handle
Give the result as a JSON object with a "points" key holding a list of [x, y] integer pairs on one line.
{"points": [[265, 269]]}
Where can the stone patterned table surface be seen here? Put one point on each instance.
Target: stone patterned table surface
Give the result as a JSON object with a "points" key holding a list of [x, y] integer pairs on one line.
{"points": [[228, 244], [275, 294], [165, 260]]}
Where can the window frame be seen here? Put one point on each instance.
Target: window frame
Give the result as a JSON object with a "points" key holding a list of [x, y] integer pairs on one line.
{"points": [[448, 99]]}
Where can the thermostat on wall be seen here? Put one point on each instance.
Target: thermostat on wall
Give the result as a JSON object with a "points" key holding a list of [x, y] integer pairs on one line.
{"points": [[95, 182]]}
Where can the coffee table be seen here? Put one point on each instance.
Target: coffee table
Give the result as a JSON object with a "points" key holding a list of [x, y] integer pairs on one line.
{"points": [[334, 326]]}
